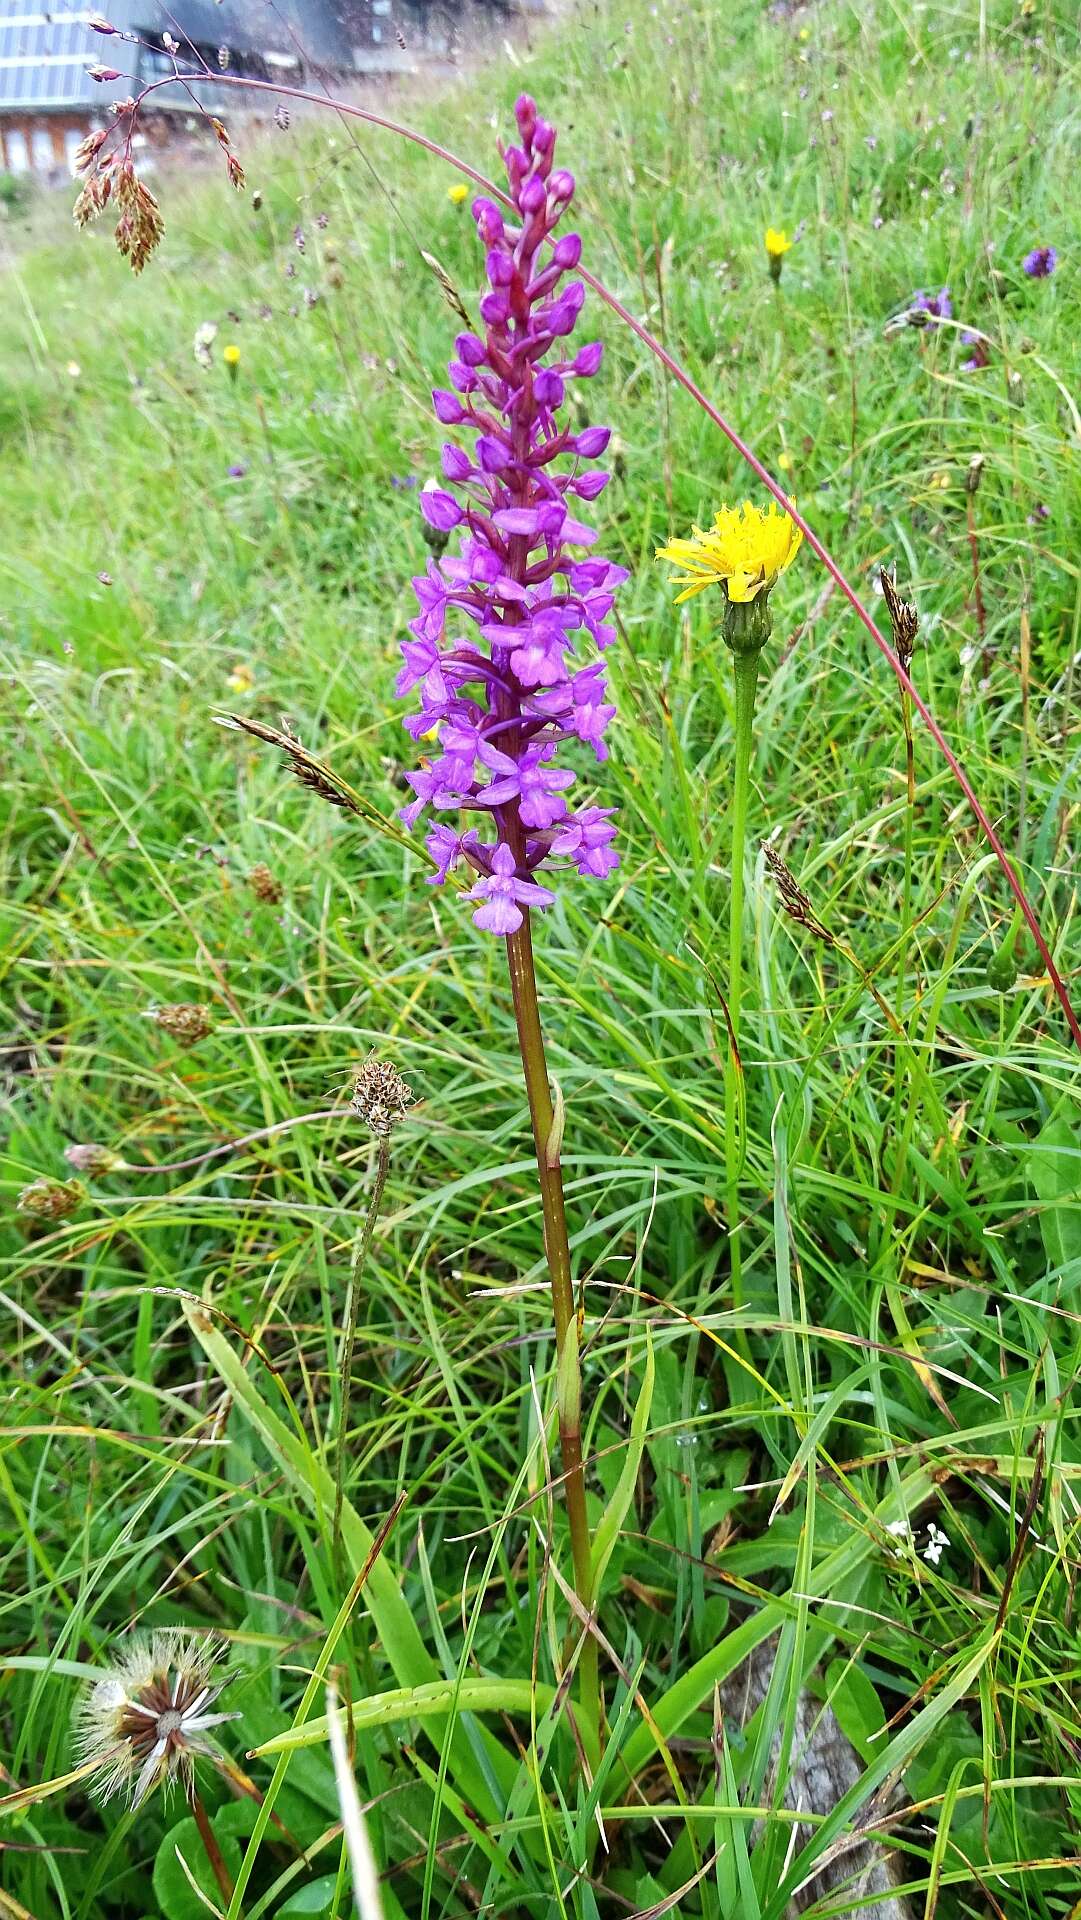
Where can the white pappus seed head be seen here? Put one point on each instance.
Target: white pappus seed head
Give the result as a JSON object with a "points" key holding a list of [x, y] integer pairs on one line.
{"points": [[147, 1720]]}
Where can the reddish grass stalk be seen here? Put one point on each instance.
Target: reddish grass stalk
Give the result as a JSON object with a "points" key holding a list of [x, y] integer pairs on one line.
{"points": [[679, 373]]}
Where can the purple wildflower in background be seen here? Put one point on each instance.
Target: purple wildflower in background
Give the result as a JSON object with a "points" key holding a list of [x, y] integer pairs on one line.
{"points": [[1040, 263], [505, 690], [937, 306], [981, 352]]}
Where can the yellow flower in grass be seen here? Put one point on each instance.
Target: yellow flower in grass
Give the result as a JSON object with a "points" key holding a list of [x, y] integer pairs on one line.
{"points": [[777, 245], [745, 551], [458, 193]]}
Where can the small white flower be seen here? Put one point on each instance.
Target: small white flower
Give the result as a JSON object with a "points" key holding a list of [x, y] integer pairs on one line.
{"points": [[936, 1540], [143, 1724], [902, 1532], [205, 336]]}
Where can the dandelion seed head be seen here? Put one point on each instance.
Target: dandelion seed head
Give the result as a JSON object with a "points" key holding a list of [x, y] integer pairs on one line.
{"points": [[147, 1719]]}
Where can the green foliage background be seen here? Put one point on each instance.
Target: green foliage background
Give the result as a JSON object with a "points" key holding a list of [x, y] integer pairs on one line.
{"points": [[913, 1231]]}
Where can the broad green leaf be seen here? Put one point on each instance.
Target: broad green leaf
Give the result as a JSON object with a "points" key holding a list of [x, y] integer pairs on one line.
{"points": [[857, 1708], [315, 1898], [1055, 1166]]}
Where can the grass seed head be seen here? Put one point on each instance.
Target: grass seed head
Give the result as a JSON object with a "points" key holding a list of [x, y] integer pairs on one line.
{"points": [[263, 884], [795, 902], [49, 1200], [904, 619], [93, 1158], [186, 1023]]}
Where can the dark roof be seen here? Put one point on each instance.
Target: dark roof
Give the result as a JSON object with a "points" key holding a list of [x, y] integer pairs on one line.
{"points": [[44, 54]]}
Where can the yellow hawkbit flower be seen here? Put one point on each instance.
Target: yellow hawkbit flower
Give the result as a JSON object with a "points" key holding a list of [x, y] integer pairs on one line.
{"points": [[777, 245], [146, 1721], [458, 193], [231, 357], [784, 461], [744, 551]]}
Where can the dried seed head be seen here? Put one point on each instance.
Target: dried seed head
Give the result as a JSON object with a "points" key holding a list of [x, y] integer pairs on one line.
{"points": [[187, 1024], [88, 149], [46, 1199], [904, 619], [146, 1721], [94, 1159], [795, 902], [309, 771], [974, 473], [380, 1096], [263, 884]]}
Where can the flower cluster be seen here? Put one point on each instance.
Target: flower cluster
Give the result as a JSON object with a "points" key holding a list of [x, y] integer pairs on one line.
{"points": [[1040, 263], [506, 690], [105, 160]]}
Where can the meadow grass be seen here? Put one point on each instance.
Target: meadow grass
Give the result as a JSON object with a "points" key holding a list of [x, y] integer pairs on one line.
{"points": [[909, 1340]]}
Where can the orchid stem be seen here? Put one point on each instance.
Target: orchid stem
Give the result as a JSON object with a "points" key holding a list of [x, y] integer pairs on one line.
{"points": [[746, 671], [523, 980]]}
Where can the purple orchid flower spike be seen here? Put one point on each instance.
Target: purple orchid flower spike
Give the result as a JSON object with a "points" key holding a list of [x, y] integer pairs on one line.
{"points": [[499, 651]]}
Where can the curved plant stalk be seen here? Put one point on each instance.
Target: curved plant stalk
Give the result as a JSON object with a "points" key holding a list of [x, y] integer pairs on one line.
{"points": [[680, 374]]}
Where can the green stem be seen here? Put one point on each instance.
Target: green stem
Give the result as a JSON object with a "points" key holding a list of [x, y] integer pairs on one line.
{"points": [[546, 1138], [899, 1075], [349, 1334], [746, 672]]}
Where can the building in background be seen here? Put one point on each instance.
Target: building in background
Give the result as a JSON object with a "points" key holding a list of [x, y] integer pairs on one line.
{"points": [[49, 103]]}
